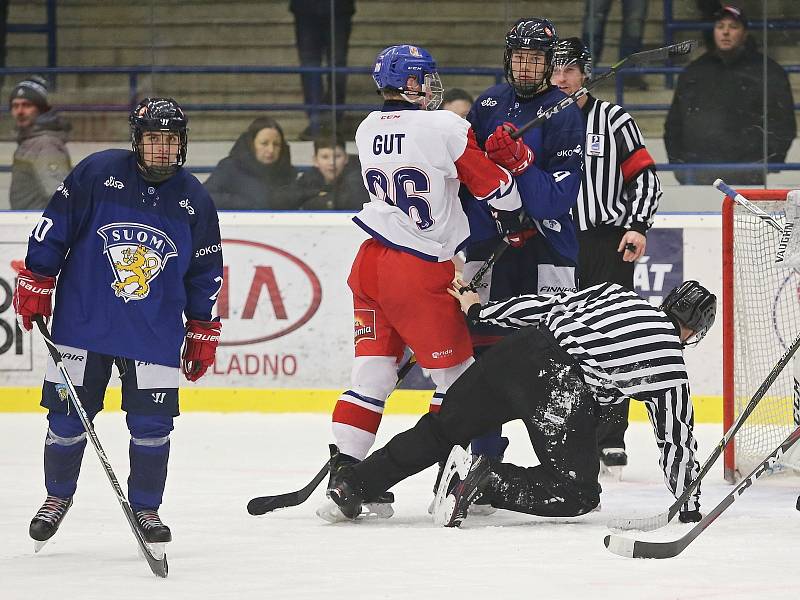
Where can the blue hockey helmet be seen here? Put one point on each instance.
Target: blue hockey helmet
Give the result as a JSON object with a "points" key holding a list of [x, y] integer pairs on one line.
{"points": [[164, 115], [572, 51], [395, 64], [694, 307], [531, 33]]}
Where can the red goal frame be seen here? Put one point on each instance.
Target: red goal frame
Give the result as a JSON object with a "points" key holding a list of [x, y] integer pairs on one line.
{"points": [[728, 393]]}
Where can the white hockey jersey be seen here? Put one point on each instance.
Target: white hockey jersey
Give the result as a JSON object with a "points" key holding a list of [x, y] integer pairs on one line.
{"points": [[412, 163]]}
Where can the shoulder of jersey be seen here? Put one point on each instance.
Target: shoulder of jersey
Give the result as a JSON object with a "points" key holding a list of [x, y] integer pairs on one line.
{"points": [[497, 94], [98, 163]]}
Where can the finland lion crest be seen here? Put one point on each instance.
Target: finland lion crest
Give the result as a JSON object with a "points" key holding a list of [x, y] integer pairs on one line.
{"points": [[137, 254]]}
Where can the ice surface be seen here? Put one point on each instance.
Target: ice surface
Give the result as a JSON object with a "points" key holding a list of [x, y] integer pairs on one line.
{"points": [[219, 461]]}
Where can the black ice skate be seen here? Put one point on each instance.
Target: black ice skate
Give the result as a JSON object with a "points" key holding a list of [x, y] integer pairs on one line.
{"points": [[463, 481], [380, 506], [152, 529], [612, 460], [47, 520]]}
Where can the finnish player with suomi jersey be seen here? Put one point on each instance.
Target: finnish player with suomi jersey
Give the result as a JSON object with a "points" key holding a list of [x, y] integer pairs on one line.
{"points": [[130, 245], [413, 160], [569, 352], [543, 253]]}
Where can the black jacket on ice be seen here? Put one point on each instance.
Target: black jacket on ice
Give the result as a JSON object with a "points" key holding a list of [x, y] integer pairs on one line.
{"points": [[716, 115]]}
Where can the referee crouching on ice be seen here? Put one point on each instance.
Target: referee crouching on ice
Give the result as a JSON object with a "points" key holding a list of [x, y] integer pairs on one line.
{"points": [[573, 350]]}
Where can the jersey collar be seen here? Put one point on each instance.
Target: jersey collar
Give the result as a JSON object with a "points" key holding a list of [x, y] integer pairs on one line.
{"points": [[393, 105], [590, 100]]}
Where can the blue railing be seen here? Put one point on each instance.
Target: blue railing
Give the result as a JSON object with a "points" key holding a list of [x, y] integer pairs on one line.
{"points": [[48, 28]]}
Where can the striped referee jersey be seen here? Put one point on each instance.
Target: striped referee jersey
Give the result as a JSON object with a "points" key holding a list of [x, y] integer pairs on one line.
{"points": [[625, 347], [620, 186]]}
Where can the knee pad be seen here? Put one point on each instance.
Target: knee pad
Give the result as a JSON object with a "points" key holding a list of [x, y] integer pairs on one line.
{"points": [[149, 430], [64, 430], [374, 376], [444, 378]]}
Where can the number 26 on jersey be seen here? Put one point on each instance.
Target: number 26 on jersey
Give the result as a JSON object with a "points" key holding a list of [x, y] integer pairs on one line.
{"points": [[404, 190]]}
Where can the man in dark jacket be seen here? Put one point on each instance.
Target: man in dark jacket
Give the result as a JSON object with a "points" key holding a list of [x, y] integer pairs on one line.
{"points": [[334, 182], [41, 160], [717, 111]]}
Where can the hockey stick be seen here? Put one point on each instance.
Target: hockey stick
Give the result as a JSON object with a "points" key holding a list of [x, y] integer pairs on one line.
{"points": [[158, 566], [264, 504], [657, 521], [638, 58], [638, 549], [789, 245]]}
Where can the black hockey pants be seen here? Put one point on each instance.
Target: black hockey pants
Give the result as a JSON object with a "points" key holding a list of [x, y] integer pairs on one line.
{"points": [[525, 376], [600, 262]]}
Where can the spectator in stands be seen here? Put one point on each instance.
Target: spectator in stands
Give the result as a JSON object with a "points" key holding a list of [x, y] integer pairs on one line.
{"points": [[634, 13], [717, 112], [334, 182], [258, 173], [41, 160], [708, 9], [312, 25], [458, 101]]}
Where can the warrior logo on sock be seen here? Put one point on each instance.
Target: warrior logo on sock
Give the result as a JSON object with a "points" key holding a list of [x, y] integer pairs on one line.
{"points": [[137, 254], [364, 325]]}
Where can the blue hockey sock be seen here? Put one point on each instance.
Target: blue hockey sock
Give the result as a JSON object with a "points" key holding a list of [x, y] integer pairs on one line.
{"points": [[63, 453], [149, 455], [491, 444]]}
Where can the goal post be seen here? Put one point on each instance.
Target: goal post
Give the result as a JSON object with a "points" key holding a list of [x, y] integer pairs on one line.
{"points": [[761, 318]]}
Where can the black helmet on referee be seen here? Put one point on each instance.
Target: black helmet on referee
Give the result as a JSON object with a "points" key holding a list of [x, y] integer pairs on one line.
{"points": [[158, 115], [572, 51], [694, 307], [529, 34]]}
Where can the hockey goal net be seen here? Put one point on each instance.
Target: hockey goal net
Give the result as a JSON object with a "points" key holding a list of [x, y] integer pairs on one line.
{"points": [[761, 318]]}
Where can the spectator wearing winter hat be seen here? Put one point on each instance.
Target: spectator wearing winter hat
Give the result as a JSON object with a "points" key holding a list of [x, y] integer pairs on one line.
{"points": [[41, 160]]}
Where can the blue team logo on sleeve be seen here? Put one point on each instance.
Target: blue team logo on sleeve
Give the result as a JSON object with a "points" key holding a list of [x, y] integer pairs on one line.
{"points": [[137, 254]]}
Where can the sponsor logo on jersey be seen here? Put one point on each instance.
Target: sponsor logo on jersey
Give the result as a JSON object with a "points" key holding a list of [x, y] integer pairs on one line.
{"points": [[185, 204], [63, 189], [75, 357], [363, 324], [112, 182], [442, 353], [488, 102], [137, 254], [552, 224], [594, 144], [212, 249], [564, 153], [540, 111], [555, 279]]}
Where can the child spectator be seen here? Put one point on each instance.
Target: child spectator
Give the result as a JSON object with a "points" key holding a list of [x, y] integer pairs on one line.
{"points": [[334, 182]]}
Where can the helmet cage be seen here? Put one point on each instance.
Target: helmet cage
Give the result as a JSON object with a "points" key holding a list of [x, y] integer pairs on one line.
{"points": [[530, 34], [160, 115], [694, 307]]}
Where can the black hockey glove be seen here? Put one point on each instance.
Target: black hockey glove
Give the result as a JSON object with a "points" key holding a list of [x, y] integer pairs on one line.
{"points": [[510, 228]]}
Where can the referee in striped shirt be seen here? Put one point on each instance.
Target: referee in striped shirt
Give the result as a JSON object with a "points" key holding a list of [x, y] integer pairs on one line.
{"points": [[619, 196], [573, 350]]}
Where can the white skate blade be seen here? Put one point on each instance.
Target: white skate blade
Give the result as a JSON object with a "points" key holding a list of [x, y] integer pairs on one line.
{"points": [[612, 473], [37, 545], [330, 512], [458, 463], [376, 511]]}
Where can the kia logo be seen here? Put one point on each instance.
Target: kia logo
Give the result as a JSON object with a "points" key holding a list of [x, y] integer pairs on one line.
{"points": [[266, 294]]}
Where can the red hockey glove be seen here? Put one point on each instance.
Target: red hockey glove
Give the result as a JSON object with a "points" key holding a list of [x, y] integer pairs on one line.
{"points": [[512, 154], [33, 296], [510, 228], [202, 338]]}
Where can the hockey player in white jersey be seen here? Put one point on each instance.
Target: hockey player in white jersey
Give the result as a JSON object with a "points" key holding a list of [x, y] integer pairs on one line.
{"points": [[412, 162]]}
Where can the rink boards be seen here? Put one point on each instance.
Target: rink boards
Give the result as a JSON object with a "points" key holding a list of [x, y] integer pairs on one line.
{"points": [[286, 312]]}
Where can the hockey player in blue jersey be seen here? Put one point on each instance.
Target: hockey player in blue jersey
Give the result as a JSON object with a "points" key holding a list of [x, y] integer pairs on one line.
{"points": [[130, 244], [543, 253]]}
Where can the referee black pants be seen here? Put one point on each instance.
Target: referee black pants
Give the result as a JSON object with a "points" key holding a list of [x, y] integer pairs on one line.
{"points": [[525, 376], [599, 262]]}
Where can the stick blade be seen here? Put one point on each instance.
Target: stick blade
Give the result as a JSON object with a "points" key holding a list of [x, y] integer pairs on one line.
{"points": [[681, 48], [639, 524], [264, 504], [627, 548]]}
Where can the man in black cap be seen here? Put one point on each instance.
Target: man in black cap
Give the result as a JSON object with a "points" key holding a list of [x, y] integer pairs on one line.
{"points": [[717, 112], [41, 160]]}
